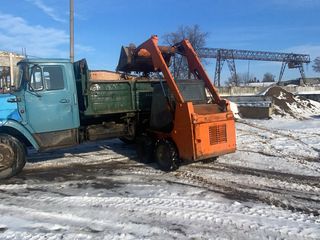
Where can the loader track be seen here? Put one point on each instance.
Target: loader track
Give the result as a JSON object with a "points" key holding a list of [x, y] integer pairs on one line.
{"points": [[312, 181], [245, 193], [189, 176], [172, 208], [302, 201], [44, 199]]}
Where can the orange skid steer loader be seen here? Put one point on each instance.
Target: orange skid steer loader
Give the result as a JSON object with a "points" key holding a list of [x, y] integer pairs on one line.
{"points": [[189, 121]]}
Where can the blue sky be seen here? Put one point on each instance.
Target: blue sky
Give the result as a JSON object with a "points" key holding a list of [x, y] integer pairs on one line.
{"points": [[101, 27]]}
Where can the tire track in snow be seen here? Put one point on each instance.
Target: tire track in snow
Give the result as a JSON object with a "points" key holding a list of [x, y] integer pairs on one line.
{"points": [[311, 181], [246, 193], [282, 133], [196, 212], [271, 150]]}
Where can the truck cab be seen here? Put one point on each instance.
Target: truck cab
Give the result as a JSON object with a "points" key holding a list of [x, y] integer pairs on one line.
{"points": [[55, 104], [47, 102], [41, 111]]}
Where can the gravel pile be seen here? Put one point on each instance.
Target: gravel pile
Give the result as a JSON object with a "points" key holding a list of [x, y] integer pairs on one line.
{"points": [[288, 105]]}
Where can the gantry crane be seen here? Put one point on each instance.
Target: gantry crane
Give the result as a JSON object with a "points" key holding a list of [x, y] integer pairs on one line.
{"points": [[292, 60]]}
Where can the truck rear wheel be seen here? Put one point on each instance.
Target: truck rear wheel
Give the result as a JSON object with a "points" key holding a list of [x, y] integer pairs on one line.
{"points": [[166, 155], [131, 137], [12, 156]]}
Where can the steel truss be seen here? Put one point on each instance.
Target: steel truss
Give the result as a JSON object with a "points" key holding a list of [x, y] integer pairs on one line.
{"points": [[292, 60]]}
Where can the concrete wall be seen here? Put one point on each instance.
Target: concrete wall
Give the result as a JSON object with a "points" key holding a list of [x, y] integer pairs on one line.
{"points": [[250, 91], [241, 91], [258, 107], [255, 112]]}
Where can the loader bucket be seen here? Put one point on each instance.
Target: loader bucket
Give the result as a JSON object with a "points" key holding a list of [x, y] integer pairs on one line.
{"points": [[139, 60]]}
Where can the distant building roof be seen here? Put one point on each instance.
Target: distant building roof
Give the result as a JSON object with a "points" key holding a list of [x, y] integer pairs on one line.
{"points": [[15, 55]]}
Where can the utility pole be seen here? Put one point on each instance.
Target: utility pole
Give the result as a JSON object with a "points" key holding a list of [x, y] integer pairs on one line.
{"points": [[248, 74], [71, 31]]}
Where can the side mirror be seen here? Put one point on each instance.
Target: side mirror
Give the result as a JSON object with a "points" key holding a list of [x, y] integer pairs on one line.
{"points": [[35, 81]]}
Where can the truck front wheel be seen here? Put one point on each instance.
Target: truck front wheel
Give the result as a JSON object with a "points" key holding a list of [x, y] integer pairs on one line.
{"points": [[12, 156]]}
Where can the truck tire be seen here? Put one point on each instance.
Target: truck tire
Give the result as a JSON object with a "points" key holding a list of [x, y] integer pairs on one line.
{"points": [[12, 156], [145, 148], [131, 137], [166, 155], [21, 161]]}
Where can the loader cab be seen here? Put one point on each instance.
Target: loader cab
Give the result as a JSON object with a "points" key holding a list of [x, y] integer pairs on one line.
{"points": [[192, 91], [163, 101]]}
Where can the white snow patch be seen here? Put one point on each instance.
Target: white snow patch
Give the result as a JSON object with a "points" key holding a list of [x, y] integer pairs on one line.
{"points": [[234, 109]]}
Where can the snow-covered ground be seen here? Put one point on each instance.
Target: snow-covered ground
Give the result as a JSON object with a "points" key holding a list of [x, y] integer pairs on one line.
{"points": [[268, 189]]}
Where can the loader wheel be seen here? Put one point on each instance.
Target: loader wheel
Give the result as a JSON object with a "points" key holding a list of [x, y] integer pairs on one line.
{"points": [[166, 155], [12, 156], [145, 148]]}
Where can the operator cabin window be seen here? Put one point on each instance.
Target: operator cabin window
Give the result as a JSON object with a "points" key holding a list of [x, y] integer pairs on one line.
{"points": [[48, 78]]}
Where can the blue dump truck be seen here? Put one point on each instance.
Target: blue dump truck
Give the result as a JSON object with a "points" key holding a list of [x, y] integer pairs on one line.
{"points": [[55, 104]]}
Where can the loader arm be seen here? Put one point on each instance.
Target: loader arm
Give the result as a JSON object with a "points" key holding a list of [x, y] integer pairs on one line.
{"points": [[152, 48], [185, 48]]}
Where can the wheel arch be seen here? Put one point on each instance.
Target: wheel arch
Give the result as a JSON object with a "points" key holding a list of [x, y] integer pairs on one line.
{"points": [[21, 133]]}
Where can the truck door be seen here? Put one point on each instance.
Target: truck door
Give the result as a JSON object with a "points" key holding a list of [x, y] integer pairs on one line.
{"points": [[51, 106]]}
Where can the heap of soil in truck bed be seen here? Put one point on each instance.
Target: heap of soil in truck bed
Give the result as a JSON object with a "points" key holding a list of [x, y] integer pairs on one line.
{"points": [[288, 105]]}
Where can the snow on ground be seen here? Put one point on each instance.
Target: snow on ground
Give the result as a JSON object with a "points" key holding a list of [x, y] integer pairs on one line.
{"points": [[268, 189]]}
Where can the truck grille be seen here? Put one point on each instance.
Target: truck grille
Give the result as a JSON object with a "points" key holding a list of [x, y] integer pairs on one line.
{"points": [[218, 134]]}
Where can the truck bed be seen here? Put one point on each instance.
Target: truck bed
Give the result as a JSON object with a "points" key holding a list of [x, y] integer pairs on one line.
{"points": [[117, 96], [99, 97]]}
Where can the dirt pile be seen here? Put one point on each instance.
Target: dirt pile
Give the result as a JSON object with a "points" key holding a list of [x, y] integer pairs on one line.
{"points": [[288, 105]]}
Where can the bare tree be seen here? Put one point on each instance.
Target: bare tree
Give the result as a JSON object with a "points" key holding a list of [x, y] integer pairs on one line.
{"points": [[316, 64], [196, 37], [235, 80], [268, 77], [241, 79]]}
